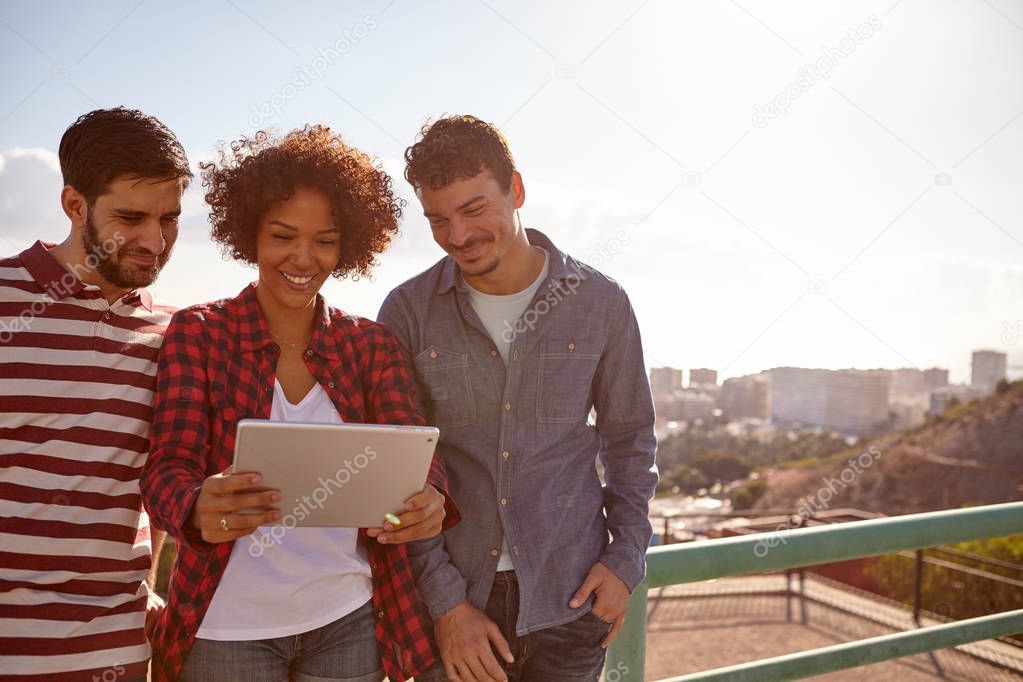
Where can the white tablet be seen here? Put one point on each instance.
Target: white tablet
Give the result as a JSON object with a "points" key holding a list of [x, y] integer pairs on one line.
{"points": [[343, 475]]}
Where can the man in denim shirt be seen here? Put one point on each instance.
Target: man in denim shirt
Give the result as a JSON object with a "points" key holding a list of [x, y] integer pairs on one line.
{"points": [[514, 343]]}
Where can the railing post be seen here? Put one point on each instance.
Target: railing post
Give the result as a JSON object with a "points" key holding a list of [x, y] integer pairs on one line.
{"points": [[626, 657], [802, 596], [788, 595], [918, 580]]}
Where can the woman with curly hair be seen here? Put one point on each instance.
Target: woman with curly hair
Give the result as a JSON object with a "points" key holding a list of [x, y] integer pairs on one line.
{"points": [[321, 604]]}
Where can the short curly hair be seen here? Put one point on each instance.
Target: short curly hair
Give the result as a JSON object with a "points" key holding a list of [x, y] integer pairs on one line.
{"points": [[252, 175], [455, 147]]}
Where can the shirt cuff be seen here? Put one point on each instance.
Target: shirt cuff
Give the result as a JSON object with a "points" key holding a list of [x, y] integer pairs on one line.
{"points": [[624, 564], [443, 590], [189, 535]]}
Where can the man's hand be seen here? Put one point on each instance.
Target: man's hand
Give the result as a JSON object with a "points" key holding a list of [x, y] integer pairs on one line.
{"points": [[465, 635], [153, 611], [423, 518], [612, 598], [216, 512]]}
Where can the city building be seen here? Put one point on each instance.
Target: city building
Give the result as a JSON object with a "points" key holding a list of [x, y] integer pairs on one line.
{"points": [[703, 378], [858, 401], [664, 381], [850, 401], [745, 397], [988, 368], [907, 381], [944, 397], [935, 378]]}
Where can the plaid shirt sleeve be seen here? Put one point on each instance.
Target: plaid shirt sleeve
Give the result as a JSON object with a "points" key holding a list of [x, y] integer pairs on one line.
{"points": [[174, 473]]}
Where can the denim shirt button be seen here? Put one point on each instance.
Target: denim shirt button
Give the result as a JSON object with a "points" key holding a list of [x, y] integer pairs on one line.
{"points": [[494, 552], [507, 406], [493, 353], [433, 354], [506, 454], [504, 501]]}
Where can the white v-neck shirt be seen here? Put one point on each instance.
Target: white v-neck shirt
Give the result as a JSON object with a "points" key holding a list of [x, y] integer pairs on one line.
{"points": [[284, 581]]}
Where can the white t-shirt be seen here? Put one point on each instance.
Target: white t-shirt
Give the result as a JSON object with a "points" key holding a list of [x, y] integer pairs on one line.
{"points": [[499, 315], [284, 581]]}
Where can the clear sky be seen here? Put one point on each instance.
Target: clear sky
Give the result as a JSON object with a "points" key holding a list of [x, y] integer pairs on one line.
{"points": [[821, 184]]}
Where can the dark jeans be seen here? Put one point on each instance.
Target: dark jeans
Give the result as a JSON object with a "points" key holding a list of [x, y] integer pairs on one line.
{"points": [[563, 653], [342, 651]]}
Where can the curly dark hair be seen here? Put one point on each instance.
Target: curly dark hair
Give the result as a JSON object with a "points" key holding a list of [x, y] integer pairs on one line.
{"points": [[455, 147], [252, 175]]}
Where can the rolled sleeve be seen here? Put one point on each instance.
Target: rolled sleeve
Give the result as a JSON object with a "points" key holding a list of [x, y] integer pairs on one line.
{"points": [[174, 472]]}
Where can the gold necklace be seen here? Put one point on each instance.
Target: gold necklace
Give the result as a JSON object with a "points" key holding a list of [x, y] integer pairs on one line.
{"points": [[293, 346]]}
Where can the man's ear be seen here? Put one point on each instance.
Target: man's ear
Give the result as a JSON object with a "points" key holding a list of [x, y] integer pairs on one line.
{"points": [[518, 189], [76, 208]]}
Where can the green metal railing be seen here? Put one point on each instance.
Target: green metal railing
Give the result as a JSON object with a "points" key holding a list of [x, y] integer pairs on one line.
{"points": [[747, 554]]}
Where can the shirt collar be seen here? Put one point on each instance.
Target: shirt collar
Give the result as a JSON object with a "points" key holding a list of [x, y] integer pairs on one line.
{"points": [[48, 273], [61, 283], [256, 334], [561, 266]]}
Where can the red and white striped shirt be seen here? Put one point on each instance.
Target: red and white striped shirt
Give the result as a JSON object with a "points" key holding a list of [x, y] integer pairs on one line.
{"points": [[77, 377]]}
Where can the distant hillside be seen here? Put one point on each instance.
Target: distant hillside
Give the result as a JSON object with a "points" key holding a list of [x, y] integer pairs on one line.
{"points": [[973, 454]]}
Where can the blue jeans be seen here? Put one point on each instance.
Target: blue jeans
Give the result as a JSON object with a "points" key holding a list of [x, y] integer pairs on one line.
{"points": [[342, 651], [563, 653]]}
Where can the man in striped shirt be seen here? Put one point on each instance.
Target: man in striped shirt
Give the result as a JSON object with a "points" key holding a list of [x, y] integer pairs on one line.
{"points": [[79, 337]]}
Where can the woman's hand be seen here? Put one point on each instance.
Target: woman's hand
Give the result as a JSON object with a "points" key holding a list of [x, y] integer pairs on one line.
{"points": [[217, 512], [423, 518]]}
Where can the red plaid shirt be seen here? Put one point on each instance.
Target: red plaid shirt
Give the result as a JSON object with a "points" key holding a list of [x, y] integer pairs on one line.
{"points": [[217, 367]]}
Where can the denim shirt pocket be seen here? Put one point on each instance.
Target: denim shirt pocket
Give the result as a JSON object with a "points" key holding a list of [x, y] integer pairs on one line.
{"points": [[444, 375], [564, 384]]}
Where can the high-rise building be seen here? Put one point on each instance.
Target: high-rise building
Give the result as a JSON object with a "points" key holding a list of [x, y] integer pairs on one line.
{"points": [[988, 368], [907, 381], [849, 401], [703, 378], [935, 378], [798, 395], [858, 401], [664, 381], [745, 396]]}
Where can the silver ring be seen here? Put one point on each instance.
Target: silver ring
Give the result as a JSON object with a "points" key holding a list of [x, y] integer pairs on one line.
{"points": [[223, 523]]}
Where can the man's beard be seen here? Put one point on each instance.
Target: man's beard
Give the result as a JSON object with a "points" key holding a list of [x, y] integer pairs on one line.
{"points": [[111, 267]]}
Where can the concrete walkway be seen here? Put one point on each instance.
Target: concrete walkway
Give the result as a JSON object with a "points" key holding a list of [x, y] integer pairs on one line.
{"points": [[727, 621]]}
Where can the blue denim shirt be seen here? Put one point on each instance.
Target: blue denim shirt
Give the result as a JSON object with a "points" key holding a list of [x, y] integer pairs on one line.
{"points": [[519, 448]]}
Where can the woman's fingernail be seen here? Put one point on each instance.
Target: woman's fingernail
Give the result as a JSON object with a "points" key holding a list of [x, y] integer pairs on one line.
{"points": [[276, 497], [277, 515], [382, 538], [255, 479]]}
